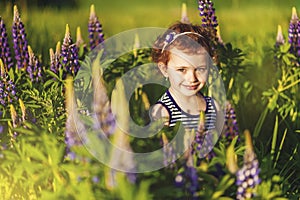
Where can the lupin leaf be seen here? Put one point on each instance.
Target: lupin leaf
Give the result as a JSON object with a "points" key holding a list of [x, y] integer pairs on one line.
{"points": [[231, 157]]}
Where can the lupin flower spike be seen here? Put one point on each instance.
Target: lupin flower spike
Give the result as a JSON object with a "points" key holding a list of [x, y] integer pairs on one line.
{"points": [[7, 87], [2, 68], [248, 176], [219, 35], [14, 116], [65, 45], [34, 68], [145, 100], [169, 155], [55, 63], [279, 37], [231, 158], [79, 39], [105, 119], [203, 140], [172, 36], [75, 129], [5, 53], [95, 29], [231, 128], [52, 61], [188, 180], [23, 109], [294, 30], [207, 11], [294, 17], [69, 53], [184, 17], [20, 41], [58, 48]]}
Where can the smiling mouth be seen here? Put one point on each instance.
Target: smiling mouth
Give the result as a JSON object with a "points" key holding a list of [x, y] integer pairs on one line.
{"points": [[192, 87]]}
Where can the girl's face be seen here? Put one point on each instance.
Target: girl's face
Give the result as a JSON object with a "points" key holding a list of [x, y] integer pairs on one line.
{"points": [[187, 72]]}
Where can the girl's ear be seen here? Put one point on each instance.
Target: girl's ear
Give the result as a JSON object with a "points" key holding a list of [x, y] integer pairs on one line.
{"points": [[163, 68]]}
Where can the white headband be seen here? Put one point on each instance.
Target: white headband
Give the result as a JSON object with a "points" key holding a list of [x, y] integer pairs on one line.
{"points": [[173, 35]]}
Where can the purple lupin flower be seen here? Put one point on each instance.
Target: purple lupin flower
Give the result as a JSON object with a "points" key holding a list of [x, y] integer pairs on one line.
{"points": [[5, 53], [75, 130], [105, 119], [7, 87], [95, 179], [69, 54], [207, 12], [231, 129], [19, 40], [169, 154], [203, 142], [188, 180], [34, 68], [294, 35], [248, 176], [210, 22], [55, 63], [96, 35], [294, 32]]}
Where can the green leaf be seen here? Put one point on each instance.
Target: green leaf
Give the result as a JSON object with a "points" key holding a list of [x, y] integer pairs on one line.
{"points": [[260, 122], [23, 130], [51, 73], [225, 183], [285, 47], [273, 102], [274, 138]]}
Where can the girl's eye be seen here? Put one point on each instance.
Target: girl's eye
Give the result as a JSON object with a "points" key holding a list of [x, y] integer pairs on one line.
{"points": [[201, 69], [181, 69]]}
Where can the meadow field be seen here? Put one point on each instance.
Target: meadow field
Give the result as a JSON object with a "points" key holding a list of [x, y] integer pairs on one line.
{"points": [[261, 79]]}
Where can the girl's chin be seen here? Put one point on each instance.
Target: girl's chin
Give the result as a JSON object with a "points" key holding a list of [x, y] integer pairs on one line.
{"points": [[190, 92]]}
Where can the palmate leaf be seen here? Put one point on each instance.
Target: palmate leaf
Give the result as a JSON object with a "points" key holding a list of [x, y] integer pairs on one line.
{"points": [[35, 155], [85, 73], [226, 182], [129, 191]]}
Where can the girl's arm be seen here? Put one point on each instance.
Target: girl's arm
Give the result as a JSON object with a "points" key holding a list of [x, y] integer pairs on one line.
{"points": [[159, 112], [220, 117]]}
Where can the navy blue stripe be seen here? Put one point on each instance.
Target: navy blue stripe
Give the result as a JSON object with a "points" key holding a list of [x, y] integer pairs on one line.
{"points": [[188, 120]]}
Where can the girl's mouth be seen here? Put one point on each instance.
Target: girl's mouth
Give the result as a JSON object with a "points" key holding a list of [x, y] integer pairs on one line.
{"points": [[192, 87]]}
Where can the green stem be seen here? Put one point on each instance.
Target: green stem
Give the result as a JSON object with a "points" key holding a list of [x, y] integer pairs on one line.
{"points": [[280, 147], [274, 138]]}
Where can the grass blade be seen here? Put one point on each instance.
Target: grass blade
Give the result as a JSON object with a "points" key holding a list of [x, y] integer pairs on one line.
{"points": [[274, 138]]}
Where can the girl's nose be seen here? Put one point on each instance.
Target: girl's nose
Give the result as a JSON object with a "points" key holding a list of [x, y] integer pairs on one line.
{"points": [[191, 76]]}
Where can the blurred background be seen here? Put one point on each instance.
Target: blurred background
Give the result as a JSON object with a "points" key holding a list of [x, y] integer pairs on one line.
{"points": [[238, 19]]}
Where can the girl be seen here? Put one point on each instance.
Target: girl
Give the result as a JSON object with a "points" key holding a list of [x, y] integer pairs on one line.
{"points": [[183, 55]]}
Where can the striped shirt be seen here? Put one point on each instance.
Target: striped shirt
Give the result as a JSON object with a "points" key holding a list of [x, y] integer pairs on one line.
{"points": [[189, 121]]}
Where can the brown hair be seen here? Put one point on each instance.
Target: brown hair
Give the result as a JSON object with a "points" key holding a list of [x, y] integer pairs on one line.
{"points": [[202, 39]]}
